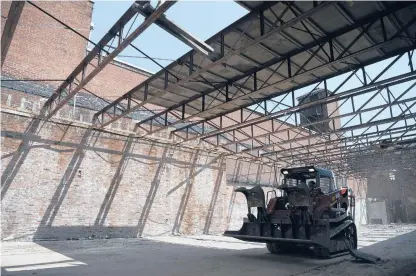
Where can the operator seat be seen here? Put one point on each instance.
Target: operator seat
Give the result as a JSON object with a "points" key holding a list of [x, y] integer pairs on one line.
{"points": [[311, 185], [314, 190]]}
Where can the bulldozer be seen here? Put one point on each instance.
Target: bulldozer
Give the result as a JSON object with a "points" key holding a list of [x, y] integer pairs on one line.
{"points": [[306, 210]]}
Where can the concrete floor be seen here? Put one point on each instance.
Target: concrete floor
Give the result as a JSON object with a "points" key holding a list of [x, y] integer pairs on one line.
{"points": [[205, 255]]}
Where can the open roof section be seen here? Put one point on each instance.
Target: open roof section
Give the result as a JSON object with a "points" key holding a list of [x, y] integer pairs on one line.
{"points": [[277, 47], [275, 50]]}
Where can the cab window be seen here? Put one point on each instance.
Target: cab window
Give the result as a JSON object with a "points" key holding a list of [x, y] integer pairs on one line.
{"points": [[327, 184], [296, 179]]}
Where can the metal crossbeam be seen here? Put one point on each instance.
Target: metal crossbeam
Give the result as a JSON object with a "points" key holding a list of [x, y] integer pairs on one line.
{"points": [[193, 75], [206, 93], [369, 124], [296, 109], [344, 142], [344, 147], [362, 110], [257, 94], [344, 152], [176, 31], [332, 158], [65, 91]]}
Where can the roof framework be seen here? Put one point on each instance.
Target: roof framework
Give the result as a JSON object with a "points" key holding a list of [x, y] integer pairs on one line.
{"points": [[259, 66]]}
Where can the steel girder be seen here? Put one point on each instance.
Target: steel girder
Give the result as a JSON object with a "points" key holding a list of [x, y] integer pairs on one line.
{"points": [[253, 146], [255, 96], [336, 150], [321, 151], [341, 131], [111, 116], [300, 129], [244, 123], [342, 146], [79, 78], [345, 154], [373, 87], [69, 87], [325, 49]]}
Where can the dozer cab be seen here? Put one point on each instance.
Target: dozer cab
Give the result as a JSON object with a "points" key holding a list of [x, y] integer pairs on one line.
{"points": [[307, 210]]}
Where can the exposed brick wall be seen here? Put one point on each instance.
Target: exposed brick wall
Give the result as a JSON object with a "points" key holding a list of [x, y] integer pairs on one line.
{"points": [[249, 172], [68, 182], [98, 184]]}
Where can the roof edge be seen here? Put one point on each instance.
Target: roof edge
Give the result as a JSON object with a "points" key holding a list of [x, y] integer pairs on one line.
{"points": [[129, 66]]}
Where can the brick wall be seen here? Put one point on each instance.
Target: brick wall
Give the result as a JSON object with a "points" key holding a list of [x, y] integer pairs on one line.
{"points": [[41, 47], [115, 79], [101, 184], [71, 182]]}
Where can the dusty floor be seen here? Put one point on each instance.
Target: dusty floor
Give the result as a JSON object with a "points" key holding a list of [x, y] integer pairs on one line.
{"points": [[204, 255], [398, 255]]}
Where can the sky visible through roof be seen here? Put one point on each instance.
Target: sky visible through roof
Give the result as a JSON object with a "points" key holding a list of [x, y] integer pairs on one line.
{"points": [[204, 19]]}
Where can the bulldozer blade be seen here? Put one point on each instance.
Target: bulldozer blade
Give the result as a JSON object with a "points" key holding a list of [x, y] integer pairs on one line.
{"points": [[234, 234], [362, 256]]}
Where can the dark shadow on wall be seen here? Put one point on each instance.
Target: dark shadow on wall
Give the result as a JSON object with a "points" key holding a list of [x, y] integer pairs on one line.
{"points": [[43, 230], [115, 183], [133, 156], [154, 186], [215, 192], [20, 155], [48, 147], [204, 167], [259, 173], [186, 194], [236, 174], [230, 209]]}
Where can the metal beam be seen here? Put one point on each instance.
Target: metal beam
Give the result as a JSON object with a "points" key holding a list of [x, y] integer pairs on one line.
{"points": [[346, 129], [362, 110], [258, 94], [362, 153], [345, 95], [13, 17], [61, 97], [288, 111], [342, 151], [217, 62], [344, 142], [177, 31]]}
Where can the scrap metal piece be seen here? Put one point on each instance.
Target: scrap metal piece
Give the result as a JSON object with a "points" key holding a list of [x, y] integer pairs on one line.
{"points": [[178, 32], [362, 256]]}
